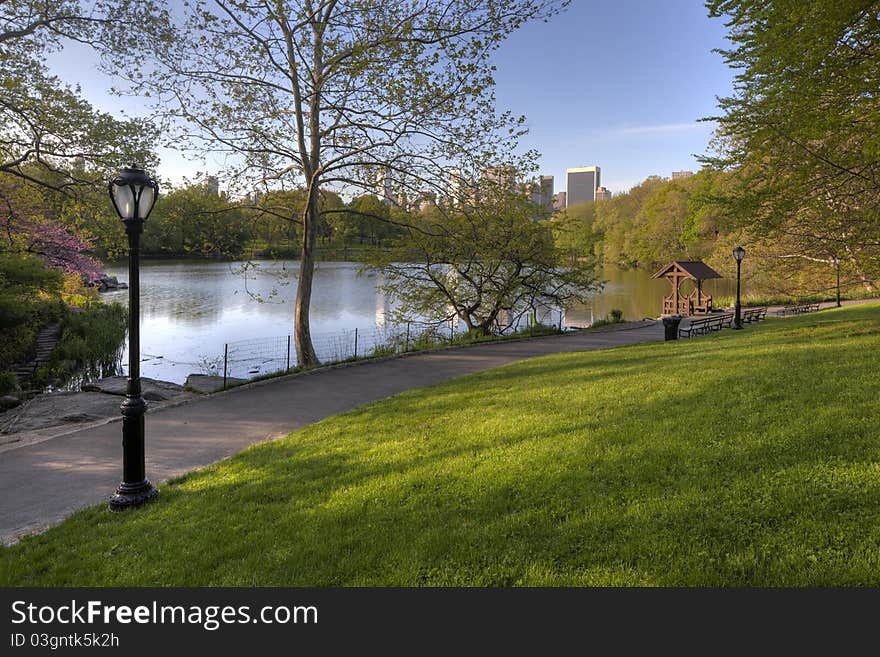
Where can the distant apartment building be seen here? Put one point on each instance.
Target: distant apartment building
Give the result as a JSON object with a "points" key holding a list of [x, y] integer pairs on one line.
{"points": [[499, 177], [427, 200], [540, 193], [212, 185], [582, 183], [454, 188], [681, 174], [383, 187], [546, 185], [602, 193], [559, 202]]}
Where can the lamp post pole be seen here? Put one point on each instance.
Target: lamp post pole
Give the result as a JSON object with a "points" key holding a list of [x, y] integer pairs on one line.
{"points": [[738, 253], [135, 488]]}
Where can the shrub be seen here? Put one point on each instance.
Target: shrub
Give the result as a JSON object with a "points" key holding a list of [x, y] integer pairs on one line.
{"points": [[92, 339], [8, 383], [382, 350], [614, 317]]}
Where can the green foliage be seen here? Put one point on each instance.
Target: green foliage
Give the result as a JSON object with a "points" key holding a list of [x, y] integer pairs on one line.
{"points": [[586, 469], [193, 221], [575, 232], [750, 299], [8, 383], [12, 312], [614, 317], [17, 341], [28, 300], [23, 276], [381, 350], [483, 263], [657, 221], [691, 219], [802, 129], [50, 134], [91, 342], [366, 221]]}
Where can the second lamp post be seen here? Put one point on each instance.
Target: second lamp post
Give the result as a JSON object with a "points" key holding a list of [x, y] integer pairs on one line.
{"points": [[739, 253], [133, 194]]}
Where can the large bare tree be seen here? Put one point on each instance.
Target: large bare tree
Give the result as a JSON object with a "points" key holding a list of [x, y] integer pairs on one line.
{"points": [[336, 94]]}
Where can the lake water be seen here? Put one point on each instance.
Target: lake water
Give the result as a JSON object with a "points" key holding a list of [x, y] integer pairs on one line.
{"points": [[190, 311]]}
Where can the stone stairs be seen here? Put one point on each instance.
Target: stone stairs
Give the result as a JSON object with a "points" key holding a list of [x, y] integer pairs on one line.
{"points": [[45, 345]]}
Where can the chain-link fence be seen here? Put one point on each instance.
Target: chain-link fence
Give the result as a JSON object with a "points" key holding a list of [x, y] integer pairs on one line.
{"points": [[247, 359]]}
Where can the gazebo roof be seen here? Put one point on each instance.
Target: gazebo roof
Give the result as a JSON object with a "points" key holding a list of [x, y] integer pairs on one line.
{"points": [[695, 269]]}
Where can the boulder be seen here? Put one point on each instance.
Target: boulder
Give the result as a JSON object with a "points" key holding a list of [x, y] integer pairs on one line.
{"points": [[207, 383], [105, 283], [151, 389], [8, 401], [60, 408]]}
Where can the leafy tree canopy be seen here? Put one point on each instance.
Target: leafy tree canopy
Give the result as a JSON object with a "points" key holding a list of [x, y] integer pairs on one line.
{"points": [[802, 128], [483, 264], [49, 134]]}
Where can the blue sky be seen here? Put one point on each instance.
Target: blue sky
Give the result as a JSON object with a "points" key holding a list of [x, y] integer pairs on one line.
{"points": [[619, 84]]}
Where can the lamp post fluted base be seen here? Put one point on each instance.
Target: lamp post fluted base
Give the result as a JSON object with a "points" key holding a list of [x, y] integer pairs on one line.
{"points": [[130, 495]]}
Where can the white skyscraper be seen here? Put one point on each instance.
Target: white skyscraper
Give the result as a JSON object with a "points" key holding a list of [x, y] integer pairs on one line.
{"points": [[383, 187]]}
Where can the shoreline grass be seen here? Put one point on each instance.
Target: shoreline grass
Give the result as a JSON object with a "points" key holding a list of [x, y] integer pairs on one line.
{"points": [[744, 458]]}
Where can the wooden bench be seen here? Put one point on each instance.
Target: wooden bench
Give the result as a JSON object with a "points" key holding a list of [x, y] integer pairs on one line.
{"points": [[754, 314], [798, 309], [703, 325]]}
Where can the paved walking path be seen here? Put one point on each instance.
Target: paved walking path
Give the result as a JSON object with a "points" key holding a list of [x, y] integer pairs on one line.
{"points": [[43, 483]]}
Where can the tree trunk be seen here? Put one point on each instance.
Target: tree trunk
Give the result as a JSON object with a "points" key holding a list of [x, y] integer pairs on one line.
{"points": [[305, 352]]}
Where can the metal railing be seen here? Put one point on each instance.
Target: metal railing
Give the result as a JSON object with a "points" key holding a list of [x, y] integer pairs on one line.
{"points": [[247, 359]]}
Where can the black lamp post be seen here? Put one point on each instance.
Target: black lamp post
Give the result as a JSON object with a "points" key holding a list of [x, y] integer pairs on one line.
{"points": [[133, 194], [739, 253]]}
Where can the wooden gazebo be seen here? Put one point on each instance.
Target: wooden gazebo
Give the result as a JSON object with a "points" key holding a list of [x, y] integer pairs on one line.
{"points": [[687, 302]]}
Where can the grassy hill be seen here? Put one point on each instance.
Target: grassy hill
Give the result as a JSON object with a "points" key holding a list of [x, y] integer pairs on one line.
{"points": [[742, 458]]}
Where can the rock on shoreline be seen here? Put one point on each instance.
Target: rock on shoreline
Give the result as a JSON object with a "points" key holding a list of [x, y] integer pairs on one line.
{"points": [[56, 413], [108, 283]]}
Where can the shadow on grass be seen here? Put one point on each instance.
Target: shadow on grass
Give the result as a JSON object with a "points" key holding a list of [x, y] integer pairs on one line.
{"points": [[624, 467]]}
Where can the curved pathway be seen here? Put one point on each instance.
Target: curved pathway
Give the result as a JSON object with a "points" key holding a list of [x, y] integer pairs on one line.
{"points": [[42, 483]]}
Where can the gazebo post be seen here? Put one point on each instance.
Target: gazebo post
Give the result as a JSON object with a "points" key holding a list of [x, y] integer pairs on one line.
{"points": [[675, 283]]}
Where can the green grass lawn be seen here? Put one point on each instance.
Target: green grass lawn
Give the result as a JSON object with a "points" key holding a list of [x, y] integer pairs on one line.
{"points": [[741, 458]]}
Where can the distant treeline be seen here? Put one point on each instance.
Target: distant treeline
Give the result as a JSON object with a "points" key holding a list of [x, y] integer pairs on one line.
{"points": [[660, 220], [192, 221]]}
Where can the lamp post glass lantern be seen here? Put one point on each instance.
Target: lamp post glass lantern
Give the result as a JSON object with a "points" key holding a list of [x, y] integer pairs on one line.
{"points": [[133, 193], [739, 253]]}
